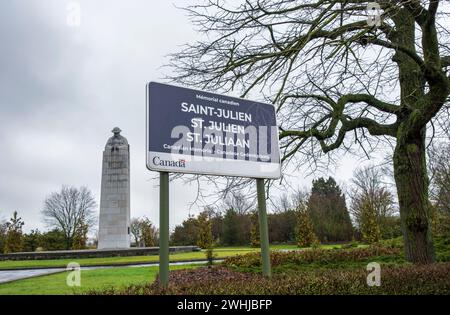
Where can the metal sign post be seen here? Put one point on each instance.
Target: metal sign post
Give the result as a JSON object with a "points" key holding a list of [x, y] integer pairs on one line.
{"points": [[263, 228], [164, 229], [198, 132]]}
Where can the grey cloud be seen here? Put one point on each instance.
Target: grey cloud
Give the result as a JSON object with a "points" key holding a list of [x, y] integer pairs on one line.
{"points": [[63, 89]]}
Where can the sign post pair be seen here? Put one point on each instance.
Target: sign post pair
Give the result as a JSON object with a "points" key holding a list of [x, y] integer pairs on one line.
{"points": [[196, 132]]}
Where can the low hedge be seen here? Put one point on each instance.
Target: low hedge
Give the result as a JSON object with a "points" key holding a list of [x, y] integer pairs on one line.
{"points": [[218, 280], [318, 256]]}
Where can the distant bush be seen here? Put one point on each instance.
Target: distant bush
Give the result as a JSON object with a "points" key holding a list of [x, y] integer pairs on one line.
{"points": [[408, 279], [391, 227], [441, 246], [31, 241], [350, 245], [393, 242], [52, 240]]}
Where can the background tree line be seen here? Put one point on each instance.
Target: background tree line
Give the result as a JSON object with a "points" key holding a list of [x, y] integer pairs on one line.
{"points": [[305, 218], [320, 215], [311, 60], [69, 214]]}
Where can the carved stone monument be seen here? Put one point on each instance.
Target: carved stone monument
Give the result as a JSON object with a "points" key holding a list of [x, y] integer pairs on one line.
{"points": [[114, 222]]}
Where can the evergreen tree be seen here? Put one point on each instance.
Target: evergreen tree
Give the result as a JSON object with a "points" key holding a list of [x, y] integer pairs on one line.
{"points": [[2, 236], [370, 228], [328, 212], [31, 241], [282, 226], [185, 234], [80, 237], [53, 240], [149, 233], [230, 228], [255, 240], [304, 228], [14, 234], [205, 237]]}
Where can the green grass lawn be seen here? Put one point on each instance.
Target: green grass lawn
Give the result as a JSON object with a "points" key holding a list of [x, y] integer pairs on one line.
{"points": [[247, 248], [118, 277], [221, 252], [10, 264], [90, 279], [121, 277]]}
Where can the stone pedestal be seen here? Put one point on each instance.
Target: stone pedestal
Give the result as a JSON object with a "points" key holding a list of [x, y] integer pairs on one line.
{"points": [[114, 222]]}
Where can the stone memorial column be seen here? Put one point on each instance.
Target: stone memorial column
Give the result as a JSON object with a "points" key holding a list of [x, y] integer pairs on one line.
{"points": [[114, 222]]}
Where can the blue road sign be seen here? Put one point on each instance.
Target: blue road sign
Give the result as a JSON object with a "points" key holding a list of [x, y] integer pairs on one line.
{"points": [[191, 131]]}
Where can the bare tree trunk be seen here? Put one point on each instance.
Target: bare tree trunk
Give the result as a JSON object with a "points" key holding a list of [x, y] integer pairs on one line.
{"points": [[412, 189]]}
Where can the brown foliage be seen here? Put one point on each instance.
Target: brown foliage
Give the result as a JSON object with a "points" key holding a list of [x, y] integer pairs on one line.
{"points": [[424, 279], [310, 256]]}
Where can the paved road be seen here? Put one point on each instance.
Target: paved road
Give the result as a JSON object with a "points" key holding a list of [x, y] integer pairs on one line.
{"points": [[9, 276], [14, 275]]}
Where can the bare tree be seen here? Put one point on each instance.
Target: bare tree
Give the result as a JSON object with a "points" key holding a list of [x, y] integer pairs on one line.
{"points": [[370, 195], [298, 197], [282, 204], [136, 231], [145, 234], [368, 183], [338, 80], [68, 210], [238, 202]]}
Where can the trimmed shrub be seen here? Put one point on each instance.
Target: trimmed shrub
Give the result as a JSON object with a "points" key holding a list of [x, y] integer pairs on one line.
{"points": [[304, 228], [322, 256], [408, 279], [441, 245], [393, 242]]}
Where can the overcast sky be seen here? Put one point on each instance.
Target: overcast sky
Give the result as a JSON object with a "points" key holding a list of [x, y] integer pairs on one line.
{"points": [[63, 89]]}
